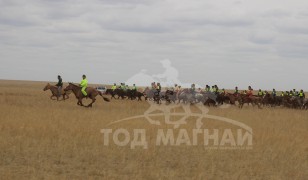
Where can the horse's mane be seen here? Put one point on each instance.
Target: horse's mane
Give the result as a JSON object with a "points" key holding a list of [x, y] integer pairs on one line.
{"points": [[73, 84], [51, 86]]}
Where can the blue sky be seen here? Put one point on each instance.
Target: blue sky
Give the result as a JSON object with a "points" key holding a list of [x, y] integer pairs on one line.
{"points": [[229, 43]]}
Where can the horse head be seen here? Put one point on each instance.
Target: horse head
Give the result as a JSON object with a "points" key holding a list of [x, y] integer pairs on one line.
{"points": [[46, 87]]}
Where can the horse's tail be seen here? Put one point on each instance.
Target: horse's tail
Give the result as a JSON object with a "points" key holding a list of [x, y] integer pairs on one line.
{"points": [[105, 99]]}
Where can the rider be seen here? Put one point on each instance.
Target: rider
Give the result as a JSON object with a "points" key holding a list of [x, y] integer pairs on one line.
{"points": [[193, 89], [291, 93], [199, 90], [178, 91], [59, 85], [260, 93], [207, 88], [282, 94], [176, 88], [134, 88], [216, 89], [84, 84], [158, 88], [213, 89], [250, 91], [301, 94], [114, 87], [274, 93], [154, 86], [236, 92], [223, 92], [121, 86]]}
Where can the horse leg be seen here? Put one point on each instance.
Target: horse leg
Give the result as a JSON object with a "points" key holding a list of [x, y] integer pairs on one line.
{"points": [[93, 100], [240, 105], [259, 104], [80, 101]]}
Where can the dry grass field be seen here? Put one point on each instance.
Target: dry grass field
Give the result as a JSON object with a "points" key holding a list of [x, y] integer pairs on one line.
{"points": [[45, 139]]}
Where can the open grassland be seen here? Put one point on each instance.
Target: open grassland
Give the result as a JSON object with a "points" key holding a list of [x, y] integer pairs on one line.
{"points": [[41, 138]]}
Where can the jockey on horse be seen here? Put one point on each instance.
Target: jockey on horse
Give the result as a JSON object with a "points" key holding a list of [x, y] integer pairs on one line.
{"points": [[177, 91], [193, 91], [250, 91], [207, 88], [236, 92], [158, 88], [83, 85], [114, 87], [260, 93], [59, 85]]}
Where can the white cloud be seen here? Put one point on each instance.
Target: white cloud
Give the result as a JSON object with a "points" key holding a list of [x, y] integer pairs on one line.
{"points": [[208, 41]]}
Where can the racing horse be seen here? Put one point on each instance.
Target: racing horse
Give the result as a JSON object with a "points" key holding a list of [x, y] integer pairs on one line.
{"points": [[92, 93], [55, 93], [254, 100]]}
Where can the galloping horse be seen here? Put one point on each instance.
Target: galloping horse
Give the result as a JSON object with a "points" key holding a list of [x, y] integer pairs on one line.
{"points": [[233, 98], [92, 93], [54, 91], [111, 92], [243, 98]]}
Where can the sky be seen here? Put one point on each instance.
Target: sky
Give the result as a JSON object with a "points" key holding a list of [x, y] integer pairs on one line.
{"points": [[262, 43]]}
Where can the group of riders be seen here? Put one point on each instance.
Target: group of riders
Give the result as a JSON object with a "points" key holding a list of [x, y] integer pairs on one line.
{"points": [[177, 89], [83, 84]]}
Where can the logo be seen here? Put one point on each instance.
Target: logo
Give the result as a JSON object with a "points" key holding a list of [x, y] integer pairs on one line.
{"points": [[171, 119]]}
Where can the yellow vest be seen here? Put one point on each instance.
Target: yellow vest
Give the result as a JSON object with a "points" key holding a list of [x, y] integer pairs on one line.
{"points": [[84, 83]]}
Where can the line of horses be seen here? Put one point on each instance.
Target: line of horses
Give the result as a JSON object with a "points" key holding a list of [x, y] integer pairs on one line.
{"points": [[210, 98], [183, 96]]}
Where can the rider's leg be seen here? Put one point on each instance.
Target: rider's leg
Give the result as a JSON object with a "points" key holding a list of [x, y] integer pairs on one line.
{"points": [[59, 91], [83, 90]]}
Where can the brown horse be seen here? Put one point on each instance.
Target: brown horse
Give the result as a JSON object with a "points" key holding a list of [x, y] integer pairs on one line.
{"points": [[92, 93], [54, 92], [232, 97], [243, 98]]}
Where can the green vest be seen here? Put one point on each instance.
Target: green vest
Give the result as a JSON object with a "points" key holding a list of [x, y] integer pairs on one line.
{"points": [[84, 83]]}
